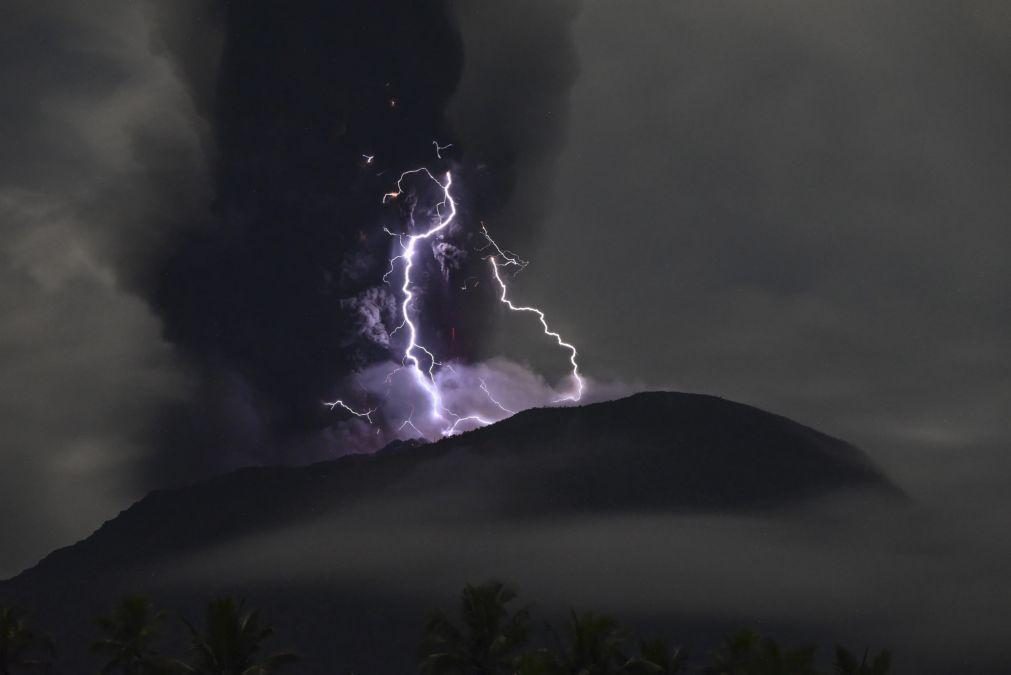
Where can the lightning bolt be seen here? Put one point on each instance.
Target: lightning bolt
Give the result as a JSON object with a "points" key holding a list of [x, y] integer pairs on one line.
{"points": [[509, 260], [478, 419], [484, 388], [409, 422], [425, 378], [440, 148], [420, 361], [367, 414]]}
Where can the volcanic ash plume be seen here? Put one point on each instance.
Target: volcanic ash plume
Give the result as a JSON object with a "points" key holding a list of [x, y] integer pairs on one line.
{"points": [[419, 395]]}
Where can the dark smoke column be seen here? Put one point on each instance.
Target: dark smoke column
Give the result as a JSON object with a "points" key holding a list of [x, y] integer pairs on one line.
{"points": [[258, 300]]}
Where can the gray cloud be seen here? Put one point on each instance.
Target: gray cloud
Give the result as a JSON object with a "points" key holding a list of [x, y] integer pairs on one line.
{"points": [[798, 205], [511, 107], [103, 152]]}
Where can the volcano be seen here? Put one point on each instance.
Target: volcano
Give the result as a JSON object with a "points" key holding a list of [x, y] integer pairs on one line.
{"points": [[345, 555]]}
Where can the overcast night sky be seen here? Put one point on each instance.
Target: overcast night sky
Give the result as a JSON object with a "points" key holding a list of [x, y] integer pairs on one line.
{"points": [[801, 205]]}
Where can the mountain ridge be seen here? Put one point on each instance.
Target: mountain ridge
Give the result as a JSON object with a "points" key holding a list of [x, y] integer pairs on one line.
{"points": [[347, 555], [610, 479]]}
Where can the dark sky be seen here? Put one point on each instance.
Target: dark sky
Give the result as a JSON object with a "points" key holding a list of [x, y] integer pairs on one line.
{"points": [[798, 205]]}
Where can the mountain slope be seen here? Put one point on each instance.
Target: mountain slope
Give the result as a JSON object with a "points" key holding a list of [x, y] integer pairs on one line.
{"points": [[652, 453]]}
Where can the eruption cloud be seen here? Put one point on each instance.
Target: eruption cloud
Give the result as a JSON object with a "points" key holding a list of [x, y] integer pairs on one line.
{"points": [[455, 397]]}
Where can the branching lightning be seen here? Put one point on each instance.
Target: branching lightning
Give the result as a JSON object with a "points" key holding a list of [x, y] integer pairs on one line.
{"points": [[418, 359], [367, 414], [440, 148], [409, 422], [426, 380], [510, 260]]}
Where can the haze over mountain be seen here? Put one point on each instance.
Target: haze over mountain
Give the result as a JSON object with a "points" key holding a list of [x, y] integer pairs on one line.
{"points": [[348, 554]]}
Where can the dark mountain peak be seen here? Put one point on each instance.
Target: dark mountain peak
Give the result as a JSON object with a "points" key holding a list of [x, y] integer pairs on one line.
{"points": [[653, 451], [663, 451]]}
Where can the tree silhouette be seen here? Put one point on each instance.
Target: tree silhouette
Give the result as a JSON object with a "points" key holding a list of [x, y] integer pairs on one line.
{"points": [[130, 633], [21, 648], [487, 641], [230, 642], [747, 653], [656, 657], [538, 662], [846, 664], [595, 645]]}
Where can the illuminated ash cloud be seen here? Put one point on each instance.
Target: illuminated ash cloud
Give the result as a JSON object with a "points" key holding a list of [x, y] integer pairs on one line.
{"points": [[374, 311], [419, 394], [490, 390]]}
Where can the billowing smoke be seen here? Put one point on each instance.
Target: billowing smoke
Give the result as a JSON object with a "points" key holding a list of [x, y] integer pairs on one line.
{"points": [[105, 164], [189, 192], [317, 110]]}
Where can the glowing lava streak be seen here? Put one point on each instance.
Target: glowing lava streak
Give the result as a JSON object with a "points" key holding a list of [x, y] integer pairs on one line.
{"points": [[426, 382], [504, 298]]}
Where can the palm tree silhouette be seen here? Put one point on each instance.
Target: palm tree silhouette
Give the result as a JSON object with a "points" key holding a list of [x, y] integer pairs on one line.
{"points": [[595, 645], [21, 648], [538, 662], [747, 653], [230, 641], [846, 664], [130, 633], [487, 642], [656, 657]]}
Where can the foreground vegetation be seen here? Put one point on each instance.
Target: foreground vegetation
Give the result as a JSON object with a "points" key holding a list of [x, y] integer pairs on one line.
{"points": [[486, 638], [129, 637], [489, 639]]}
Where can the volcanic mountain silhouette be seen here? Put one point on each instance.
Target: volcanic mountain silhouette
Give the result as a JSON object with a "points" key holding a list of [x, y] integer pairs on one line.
{"points": [[651, 453]]}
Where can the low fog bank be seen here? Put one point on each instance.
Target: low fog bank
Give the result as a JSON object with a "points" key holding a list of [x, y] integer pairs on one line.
{"points": [[913, 577]]}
